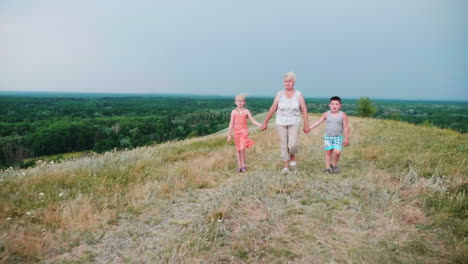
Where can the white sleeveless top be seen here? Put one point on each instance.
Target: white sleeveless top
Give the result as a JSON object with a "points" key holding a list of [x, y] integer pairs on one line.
{"points": [[289, 111]]}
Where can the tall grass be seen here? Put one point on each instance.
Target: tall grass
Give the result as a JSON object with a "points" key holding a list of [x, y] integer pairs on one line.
{"points": [[401, 198], [39, 204]]}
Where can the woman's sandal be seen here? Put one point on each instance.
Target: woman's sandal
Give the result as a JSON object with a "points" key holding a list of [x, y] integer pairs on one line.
{"points": [[292, 165]]}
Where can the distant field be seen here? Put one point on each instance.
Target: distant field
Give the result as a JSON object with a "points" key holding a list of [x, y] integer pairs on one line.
{"points": [[44, 124]]}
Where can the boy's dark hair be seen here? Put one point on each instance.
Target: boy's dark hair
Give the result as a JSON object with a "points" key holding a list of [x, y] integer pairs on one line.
{"points": [[335, 98]]}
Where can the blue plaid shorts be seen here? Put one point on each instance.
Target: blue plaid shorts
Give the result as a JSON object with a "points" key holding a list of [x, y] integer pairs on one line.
{"points": [[333, 142]]}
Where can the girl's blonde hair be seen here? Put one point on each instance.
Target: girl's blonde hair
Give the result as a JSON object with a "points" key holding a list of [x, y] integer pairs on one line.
{"points": [[290, 75], [240, 96]]}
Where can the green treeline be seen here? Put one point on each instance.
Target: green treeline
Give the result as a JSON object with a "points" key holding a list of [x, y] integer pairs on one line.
{"points": [[36, 126]]}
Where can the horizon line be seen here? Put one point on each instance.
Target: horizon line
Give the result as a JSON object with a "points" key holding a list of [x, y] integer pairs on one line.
{"points": [[217, 95]]}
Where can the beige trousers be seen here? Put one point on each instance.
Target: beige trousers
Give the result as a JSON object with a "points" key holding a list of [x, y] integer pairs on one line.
{"points": [[288, 136]]}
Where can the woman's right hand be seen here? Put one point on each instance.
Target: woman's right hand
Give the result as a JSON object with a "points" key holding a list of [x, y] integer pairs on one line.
{"points": [[264, 126]]}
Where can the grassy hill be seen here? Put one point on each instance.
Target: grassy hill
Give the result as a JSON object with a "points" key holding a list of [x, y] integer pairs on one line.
{"points": [[401, 198]]}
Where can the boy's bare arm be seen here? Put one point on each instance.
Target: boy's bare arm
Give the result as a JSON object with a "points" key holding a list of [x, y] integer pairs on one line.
{"points": [[346, 129], [318, 121], [253, 119]]}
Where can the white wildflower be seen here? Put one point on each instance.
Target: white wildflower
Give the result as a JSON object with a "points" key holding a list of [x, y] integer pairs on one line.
{"points": [[28, 213], [219, 220], [41, 194], [60, 194], [8, 219]]}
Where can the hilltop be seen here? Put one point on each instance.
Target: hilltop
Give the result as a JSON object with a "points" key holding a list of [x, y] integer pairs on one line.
{"points": [[401, 198]]}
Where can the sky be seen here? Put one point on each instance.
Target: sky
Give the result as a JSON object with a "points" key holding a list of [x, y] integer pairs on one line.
{"points": [[386, 49]]}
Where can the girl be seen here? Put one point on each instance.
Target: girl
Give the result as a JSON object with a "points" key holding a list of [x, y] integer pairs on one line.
{"points": [[238, 123]]}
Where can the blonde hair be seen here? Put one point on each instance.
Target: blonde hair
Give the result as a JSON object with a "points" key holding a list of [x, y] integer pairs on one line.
{"points": [[290, 75], [240, 97]]}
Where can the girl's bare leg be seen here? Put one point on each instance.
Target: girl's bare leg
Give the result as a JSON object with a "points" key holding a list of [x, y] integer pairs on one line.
{"points": [[239, 160], [242, 155]]}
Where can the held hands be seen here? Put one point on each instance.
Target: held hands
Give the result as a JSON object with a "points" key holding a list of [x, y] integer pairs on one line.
{"points": [[306, 130], [264, 126]]}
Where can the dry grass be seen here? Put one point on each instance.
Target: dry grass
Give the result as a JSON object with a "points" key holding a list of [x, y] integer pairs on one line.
{"points": [[86, 194], [26, 244], [399, 199], [80, 214]]}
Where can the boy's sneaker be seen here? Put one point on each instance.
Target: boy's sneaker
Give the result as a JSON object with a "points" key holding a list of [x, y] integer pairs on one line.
{"points": [[335, 169], [326, 171], [292, 165], [285, 170]]}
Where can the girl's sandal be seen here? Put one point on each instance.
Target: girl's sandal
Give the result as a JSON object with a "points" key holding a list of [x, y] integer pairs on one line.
{"points": [[243, 169]]}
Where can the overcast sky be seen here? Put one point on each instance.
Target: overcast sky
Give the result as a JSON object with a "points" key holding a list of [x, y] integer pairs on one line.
{"points": [[404, 49]]}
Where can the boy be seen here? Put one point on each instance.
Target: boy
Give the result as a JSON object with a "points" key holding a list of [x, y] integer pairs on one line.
{"points": [[336, 123]]}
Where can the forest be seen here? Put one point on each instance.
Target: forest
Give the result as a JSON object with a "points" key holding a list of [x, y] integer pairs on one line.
{"points": [[33, 125]]}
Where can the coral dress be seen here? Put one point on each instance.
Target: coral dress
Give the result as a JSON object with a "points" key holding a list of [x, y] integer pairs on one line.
{"points": [[241, 132]]}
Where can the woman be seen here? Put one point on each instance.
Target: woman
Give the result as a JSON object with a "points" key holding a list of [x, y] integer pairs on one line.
{"points": [[288, 105]]}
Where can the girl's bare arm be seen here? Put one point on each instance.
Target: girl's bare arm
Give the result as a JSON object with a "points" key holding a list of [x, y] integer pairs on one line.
{"points": [[231, 124], [253, 119]]}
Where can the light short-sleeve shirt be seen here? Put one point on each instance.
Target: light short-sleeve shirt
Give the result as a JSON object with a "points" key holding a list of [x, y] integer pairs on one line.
{"points": [[289, 110]]}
